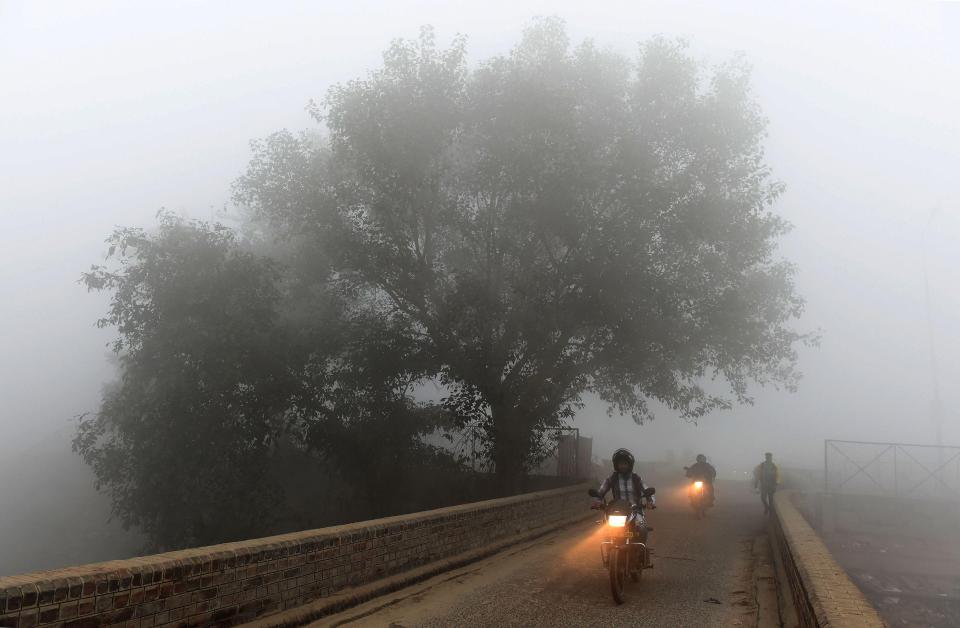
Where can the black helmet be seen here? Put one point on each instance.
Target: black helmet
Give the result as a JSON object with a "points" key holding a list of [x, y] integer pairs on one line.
{"points": [[701, 458], [624, 455]]}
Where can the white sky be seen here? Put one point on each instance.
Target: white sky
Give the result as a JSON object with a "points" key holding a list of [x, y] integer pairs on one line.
{"points": [[111, 110]]}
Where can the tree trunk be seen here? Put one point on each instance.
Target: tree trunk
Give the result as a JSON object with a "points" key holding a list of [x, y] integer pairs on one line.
{"points": [[510, 445]]}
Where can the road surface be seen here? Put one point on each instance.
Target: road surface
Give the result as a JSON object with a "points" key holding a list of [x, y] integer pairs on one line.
{"points": [[702, 576]]}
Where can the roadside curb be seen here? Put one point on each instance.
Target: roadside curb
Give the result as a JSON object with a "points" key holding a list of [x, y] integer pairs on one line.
{"points": [[822, 593], [788, 609], [764, 579], [350, 598]]}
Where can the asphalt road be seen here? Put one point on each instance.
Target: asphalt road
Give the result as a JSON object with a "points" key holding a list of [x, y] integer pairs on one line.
{"points": [[702, 577]]}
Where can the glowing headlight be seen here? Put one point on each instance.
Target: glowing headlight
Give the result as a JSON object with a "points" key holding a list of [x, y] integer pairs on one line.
{"points": [[698, 484], [617, 521]]}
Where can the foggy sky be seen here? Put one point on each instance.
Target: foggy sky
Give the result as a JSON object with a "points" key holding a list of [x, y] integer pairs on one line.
{"points": [[111, 110]]}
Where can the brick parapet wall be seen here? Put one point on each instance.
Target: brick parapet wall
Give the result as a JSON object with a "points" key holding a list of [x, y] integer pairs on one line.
{"points": [[233, 583], [823, 595]]}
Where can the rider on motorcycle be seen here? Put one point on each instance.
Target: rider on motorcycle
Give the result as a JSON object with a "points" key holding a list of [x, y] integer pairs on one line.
{"points": [[703, 471], [626, 484]]}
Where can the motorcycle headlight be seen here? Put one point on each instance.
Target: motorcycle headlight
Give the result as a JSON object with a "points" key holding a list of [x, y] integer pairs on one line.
{"points": [[698, 484], [617, 521]]}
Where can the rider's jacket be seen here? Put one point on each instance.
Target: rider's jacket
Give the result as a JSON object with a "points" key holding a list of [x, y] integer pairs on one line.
{"points": [[626, 486], [766, 475], [702, 471]]}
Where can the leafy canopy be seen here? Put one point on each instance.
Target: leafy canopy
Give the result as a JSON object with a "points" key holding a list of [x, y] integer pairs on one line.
{"points": [[556, 221], [181, 440], [243, 391]]}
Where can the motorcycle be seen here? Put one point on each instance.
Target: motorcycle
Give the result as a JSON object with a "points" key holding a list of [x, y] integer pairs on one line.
{"points": [[624, 551], [699, 497]]}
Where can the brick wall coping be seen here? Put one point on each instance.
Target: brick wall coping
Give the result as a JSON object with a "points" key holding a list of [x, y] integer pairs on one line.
{"points": [[212, 557], [834, 599]]}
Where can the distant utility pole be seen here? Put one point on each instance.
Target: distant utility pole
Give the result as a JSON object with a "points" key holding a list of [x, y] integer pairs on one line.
{"points": [[936, 411]]}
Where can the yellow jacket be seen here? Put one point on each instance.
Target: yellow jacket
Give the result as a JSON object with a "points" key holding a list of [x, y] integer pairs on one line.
{"points": [[758, 474]]}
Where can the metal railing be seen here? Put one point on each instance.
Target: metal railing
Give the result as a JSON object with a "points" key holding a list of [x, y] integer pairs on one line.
{"points": [[891, 469]]}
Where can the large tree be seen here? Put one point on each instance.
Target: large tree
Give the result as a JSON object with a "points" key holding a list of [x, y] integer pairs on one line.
{"points": [[241, 380], [182, 440], [555, 221]]}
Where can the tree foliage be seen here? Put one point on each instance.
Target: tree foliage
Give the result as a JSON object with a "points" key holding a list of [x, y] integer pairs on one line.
{"points": [[182, 439], [228, 360], [556, 221], [553, 222]]}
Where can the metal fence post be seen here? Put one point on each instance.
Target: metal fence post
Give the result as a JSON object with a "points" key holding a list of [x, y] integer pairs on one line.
{"points": [[896, 476], [826, 466]]}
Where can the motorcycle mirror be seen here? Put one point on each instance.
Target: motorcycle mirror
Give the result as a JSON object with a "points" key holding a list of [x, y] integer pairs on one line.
{"points": [[650, 492], [593, 493]]}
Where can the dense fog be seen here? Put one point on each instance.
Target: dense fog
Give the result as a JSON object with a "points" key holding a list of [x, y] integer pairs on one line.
{"points": [[111, 111]]}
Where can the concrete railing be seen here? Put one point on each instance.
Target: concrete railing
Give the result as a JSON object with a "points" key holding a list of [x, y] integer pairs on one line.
{"points": [[822, 593], [238, 582]]}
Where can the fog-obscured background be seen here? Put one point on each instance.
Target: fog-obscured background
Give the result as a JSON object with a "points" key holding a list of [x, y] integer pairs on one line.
{"points": [[111, 110]]}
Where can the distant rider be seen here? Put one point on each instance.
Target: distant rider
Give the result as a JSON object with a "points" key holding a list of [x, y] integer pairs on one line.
{"points": [[766, 477], [703, 471]]}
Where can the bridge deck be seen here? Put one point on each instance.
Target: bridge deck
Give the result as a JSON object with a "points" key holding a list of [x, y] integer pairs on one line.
{"points": [[702, 577]]}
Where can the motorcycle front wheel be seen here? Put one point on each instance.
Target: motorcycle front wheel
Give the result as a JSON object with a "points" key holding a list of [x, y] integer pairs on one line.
{"points": [[636, 564], [618, 571]]}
